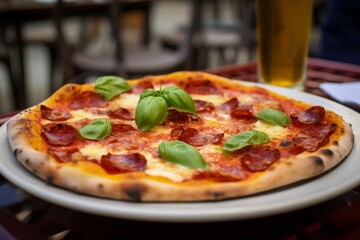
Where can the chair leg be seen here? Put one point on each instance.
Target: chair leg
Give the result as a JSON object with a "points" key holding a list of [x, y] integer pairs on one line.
{"points": [[18, 74], [18, 101], [67, 72], [53, 57], [222, 57]]}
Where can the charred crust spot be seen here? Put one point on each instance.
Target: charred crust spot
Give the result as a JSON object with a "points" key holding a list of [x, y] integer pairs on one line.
{"points": [[27, 161], [336, 143], [27, 129], [17, 152], [50, 179], [318, 161], [272, 168], [134, 194], [100, 186], [327, 152], [135, 191], [285, 143], [217, 194], [182, 82], [70, 87]]}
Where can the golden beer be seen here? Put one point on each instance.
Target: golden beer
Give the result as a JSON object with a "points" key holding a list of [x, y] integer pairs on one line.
{"points": [[283, 29]]}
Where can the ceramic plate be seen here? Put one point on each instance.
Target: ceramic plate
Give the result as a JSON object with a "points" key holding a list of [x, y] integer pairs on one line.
{"points": [[339, 180]]}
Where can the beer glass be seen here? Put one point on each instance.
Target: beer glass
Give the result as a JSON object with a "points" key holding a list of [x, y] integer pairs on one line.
{"points": [[283, 31]]}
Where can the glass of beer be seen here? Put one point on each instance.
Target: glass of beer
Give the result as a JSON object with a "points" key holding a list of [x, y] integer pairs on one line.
{"points": [[283, 30]]}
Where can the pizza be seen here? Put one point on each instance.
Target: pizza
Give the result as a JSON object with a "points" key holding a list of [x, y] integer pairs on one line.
{"points": [[185, 136]]}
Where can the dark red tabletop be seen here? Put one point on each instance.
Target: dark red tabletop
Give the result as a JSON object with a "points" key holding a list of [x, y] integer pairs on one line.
{"points": [[23, 216]]}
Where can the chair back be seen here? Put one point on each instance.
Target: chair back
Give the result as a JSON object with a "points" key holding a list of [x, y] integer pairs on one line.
{"points": [[115, 13], [194, 32], [112, 14]]}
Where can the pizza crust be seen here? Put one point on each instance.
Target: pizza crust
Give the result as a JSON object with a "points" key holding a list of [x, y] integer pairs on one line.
{"points": [[24, 134]]}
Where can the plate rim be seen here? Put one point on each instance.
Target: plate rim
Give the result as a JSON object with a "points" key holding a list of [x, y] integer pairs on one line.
{"points": [[224, 210]]}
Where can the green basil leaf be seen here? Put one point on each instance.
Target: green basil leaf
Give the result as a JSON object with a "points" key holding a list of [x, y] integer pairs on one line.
{"points": [[111, 86], [244, 139], [274, 116], [149, 92], [183, 154], [96, 130], [179, 99], [150, 112]]}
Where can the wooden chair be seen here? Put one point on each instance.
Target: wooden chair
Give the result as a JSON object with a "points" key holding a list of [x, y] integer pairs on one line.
{"points": [[48, 39], [218, 36], [79, 65], [6, 58]]}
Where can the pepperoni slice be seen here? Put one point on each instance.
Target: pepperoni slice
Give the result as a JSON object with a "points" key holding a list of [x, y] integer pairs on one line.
{"points": [[202, 87], [176, 132], [122, 113], [54, 114], [175, 118], [82, 122], [309, 116], [194, 137], [64, 156], [114, 163], [313, 136], [203, 106], [59, 134], [141, 86], [260, 158], [243, 115], [308, 143], [231, 169], [229, 106], [319, 130], [87, 99], [118, 130]]}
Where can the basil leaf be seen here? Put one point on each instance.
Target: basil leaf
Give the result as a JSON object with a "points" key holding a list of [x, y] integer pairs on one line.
{"points": [[149, 92], [179, 99], [150, 111], [244, 139], [183, 154], [274, 116], [110, 86], [96, 130]]}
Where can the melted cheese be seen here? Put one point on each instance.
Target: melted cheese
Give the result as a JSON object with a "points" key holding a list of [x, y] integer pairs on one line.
{"points": [[271, 130], [81, 114], [214, 99], [155, 167], [159, 167], [94, 151], [210, 148], [126, 100], [246, 99]]}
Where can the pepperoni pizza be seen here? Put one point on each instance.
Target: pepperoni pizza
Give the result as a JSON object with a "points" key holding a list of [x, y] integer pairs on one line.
{"points": [[186, 136]]}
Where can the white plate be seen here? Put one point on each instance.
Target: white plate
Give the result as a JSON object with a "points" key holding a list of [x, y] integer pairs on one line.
{"points": [[341, 179]]}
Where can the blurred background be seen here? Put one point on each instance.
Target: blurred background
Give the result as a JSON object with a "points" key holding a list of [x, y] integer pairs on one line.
{"points": [[58, 46]]}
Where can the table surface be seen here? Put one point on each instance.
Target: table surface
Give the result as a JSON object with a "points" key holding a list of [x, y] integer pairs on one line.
{"points": [[25, 217]]}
